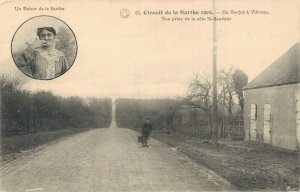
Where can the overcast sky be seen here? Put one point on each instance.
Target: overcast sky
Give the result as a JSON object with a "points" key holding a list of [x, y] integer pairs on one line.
{"points": [[145, 57]]}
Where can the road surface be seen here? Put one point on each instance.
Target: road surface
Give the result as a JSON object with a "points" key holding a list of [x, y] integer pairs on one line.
{"points": [[108, 159]]}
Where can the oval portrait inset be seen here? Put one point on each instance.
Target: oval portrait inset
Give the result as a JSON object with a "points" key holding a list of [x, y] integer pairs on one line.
{"points": [[44, 47]]}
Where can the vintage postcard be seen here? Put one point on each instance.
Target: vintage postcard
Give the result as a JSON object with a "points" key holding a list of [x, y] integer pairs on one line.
{"points": [[149, 95]]}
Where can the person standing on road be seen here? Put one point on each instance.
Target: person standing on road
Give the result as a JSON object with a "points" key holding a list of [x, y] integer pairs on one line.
{"points": [[147, 128]]}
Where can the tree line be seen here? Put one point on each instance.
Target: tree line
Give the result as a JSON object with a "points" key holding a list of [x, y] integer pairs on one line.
{"points": [[192, 111], [131, 113], [24, 112]]}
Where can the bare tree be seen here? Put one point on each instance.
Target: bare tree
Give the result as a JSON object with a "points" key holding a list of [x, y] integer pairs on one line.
{"points": [[227, 91], [199, 94]]}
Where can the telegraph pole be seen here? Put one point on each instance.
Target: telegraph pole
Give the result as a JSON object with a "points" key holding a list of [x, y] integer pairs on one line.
{"points": [[214, 76]]}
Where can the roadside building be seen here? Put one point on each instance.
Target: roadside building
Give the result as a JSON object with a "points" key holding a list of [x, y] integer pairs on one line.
{"points": [[272, 103]]}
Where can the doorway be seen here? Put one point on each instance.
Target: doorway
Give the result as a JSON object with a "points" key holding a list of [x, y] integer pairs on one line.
{"points": [[267, 124]]}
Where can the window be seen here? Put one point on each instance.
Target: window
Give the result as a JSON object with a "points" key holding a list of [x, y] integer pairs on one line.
{"points": [[253, 111]]}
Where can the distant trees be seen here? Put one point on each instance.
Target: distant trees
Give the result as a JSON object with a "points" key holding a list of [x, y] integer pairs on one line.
{"points": [[166, 115], [191, 114], [131, 113], [229, 85], [229, 96], [100, 110], [24, 112]]}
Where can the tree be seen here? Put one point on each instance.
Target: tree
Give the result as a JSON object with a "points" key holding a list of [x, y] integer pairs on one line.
{"points": [[24, 112], [199, 94], [12, 109], [227, 92], [240, 79]]}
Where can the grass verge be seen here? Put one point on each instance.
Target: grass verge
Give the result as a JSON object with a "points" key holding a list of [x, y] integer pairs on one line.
{"points": [[248, 166], [16, 147]]}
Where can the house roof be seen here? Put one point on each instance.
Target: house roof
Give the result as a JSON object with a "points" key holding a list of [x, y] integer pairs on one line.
{"points": [[285, 70]]}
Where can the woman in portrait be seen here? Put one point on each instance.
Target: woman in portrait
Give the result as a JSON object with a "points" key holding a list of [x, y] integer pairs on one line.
{"points": [[44, 61]]}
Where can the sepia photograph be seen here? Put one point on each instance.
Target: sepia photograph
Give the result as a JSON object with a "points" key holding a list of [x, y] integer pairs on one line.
{"points": [[149, 95], [44, 47]]}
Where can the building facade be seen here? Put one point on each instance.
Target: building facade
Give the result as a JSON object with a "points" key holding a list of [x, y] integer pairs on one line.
{"points": [[272, 103]]}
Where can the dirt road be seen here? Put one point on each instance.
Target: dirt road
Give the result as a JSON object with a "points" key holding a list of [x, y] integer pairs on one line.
{"points": [[108, 159]]}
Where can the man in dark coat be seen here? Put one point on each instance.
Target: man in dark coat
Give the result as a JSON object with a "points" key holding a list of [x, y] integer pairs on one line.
{"points": [[147, 128]]}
